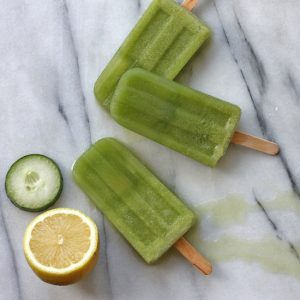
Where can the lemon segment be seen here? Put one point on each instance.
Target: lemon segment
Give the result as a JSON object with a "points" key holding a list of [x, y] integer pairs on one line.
{"points": [[61, 245]]}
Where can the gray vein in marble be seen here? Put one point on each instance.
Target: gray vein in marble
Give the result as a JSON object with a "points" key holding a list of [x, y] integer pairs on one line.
{"points": [[261, 87], [139, 5], [68, 23], [259, 70], [291, 83], [65, 118], [291, 177], [278, 233], [254, 60], [87, 121], [271, 222], [62, 113], [13, 257], [106, 260]]}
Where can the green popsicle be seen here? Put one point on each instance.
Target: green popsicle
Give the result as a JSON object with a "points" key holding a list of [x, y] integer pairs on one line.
{"points": [[163, 41], [143, 209], [188, 121]]}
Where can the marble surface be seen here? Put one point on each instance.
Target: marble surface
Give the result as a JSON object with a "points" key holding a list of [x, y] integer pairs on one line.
{"points": [[51, 53]]}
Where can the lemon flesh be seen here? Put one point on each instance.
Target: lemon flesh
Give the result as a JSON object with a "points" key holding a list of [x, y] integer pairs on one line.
{"points": [[61, 245]]}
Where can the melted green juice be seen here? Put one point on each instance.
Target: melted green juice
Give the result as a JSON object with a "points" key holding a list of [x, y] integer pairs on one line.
{"points": [[270, 253], [229, 211]]}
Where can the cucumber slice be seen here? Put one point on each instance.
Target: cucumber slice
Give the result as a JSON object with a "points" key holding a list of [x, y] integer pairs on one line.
{"points": [[34, 182]]}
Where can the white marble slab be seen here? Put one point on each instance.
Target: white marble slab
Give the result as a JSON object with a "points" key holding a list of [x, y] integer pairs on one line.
{"points": [[51, 54]]}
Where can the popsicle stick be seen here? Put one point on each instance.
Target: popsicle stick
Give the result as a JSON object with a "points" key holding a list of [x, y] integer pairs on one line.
{"points": [[253, 142], [189, 4], [193, 256]]}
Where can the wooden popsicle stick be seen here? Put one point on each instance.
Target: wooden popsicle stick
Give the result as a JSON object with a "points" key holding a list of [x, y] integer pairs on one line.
{"points": [[253, 142], [193, 256], [189, 4]]}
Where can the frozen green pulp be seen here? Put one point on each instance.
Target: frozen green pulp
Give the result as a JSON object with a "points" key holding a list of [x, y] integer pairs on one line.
{"points": [[188, 121], [163, 41], [144, 210]]}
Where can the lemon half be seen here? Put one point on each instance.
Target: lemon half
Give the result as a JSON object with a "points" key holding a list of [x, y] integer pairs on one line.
{"points": [[61, 245]]}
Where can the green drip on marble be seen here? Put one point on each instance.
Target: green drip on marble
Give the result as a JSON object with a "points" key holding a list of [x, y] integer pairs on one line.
{"points": [[269, 252], [231, 210], [272, 254], [287, 201]]}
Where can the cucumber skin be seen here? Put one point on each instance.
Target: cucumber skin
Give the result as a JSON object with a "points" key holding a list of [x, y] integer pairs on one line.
{"points": [[45, 206]]}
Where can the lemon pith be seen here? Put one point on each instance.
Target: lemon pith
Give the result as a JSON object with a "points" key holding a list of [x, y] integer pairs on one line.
{"points": [[61, 245]]}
